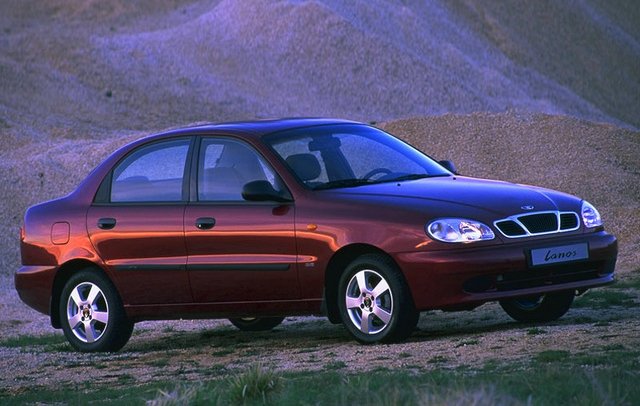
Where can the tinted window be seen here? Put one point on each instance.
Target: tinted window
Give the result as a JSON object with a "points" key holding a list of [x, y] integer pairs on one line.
{"points": [[331, 156], [225, 166], [152, 173]]}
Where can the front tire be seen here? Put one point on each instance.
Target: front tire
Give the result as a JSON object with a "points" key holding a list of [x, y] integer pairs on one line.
{"points": [[92, 315], [256, 323], [374, 301], [540, 308]]}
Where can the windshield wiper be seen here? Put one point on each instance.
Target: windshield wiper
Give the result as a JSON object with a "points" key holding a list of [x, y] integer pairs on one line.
{"points": [[414, 176], [343, 183]]}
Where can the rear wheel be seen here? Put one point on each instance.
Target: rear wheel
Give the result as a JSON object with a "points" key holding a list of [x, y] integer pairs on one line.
{"points": [[92, 315], [539, 308], [256, 323], [374, 301]]}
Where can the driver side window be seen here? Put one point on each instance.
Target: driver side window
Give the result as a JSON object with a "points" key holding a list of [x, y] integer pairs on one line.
{"points": [[225, 166]]}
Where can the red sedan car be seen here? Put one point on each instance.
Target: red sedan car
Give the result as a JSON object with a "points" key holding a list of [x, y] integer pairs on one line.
{"points": [[256, 221]]}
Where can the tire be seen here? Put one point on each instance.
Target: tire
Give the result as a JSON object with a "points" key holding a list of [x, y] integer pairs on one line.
{"points": [[256, 323], [541, 308], [374, 301], [92, 315]]}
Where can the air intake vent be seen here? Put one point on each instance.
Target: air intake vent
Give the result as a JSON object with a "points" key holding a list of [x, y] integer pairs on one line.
{"points": [[510, 228], [532, 224], [568, 221], [540, 223]]}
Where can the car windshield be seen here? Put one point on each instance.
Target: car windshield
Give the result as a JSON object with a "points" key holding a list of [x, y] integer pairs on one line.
{"points": [[349, 155]]}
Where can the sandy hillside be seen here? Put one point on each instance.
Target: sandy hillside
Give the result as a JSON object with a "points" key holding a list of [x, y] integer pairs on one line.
{"points": [[558, 86], [93, 65]]}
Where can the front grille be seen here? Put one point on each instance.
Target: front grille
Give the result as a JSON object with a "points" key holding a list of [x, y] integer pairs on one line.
{"points": [[531, 224], [540, 223]]}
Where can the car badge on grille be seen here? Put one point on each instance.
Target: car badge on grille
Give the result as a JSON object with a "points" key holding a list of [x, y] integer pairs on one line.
{"points": [[527, 207]]}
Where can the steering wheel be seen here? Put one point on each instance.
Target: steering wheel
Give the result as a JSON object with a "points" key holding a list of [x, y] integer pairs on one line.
{"points": [[376, 171]]}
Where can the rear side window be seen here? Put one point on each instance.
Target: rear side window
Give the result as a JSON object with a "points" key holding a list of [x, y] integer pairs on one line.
{"points": [[153, 173]]}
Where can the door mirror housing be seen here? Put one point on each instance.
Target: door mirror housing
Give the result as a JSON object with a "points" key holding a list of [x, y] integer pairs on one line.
{"points": [[263, 191], [450, 166]]}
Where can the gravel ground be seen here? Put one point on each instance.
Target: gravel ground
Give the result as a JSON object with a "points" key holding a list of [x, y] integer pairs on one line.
{"points": [[183, 351]]}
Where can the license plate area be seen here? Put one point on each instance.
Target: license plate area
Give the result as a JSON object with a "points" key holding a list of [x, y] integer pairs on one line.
{"points": [[559, 254]]}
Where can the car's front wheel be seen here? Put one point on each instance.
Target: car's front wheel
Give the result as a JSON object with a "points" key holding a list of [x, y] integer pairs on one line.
{"points": [[92, 315], [256, 323], [374, 301], [539, 308]]}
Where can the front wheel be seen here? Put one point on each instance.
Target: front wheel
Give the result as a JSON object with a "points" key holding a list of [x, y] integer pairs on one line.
{"points": [[256, 323], [539, 308], [374, 301], [92, 315]]}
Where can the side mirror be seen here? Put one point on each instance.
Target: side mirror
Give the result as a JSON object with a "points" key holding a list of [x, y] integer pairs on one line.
{"points": [[262, 191], [450, 166]]}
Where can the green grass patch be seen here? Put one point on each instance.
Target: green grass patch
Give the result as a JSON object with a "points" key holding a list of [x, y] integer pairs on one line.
{"points": [[552, 356], [222, 352], [82, 393], [255, 384], [604, 382], [628, 283], [604, 299], [335, 365], [438, 359], [159, 363], [534, 331], [465, 343], [47, 340]]}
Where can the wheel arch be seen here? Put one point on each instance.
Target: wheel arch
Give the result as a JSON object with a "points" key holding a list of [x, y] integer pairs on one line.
{"points": [[65, 272], [337, 264]]}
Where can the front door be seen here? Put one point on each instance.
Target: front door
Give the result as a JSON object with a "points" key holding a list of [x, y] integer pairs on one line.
{"points": [[238, 251]]}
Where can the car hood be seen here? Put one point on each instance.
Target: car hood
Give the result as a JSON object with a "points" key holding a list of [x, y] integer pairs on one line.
{"points": [[499, 198]]}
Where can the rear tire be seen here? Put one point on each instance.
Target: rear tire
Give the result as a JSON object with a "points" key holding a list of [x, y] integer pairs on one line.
{"points": [[92, 315], [540, 308], [375, 302], [256, 323]]}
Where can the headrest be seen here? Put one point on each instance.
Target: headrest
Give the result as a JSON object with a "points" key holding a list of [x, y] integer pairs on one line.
{"points": [[306, 166]]}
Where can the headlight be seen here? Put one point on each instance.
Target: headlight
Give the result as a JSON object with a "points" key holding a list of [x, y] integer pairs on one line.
{"points": [[459, 230], [590, 215]]}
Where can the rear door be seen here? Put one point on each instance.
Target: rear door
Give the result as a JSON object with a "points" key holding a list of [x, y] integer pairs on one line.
{"points": [[238, 251], [138, 231]]}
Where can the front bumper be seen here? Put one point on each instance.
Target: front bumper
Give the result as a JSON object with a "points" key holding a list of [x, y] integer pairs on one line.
{"points": [[469, 276], [34, 284]]}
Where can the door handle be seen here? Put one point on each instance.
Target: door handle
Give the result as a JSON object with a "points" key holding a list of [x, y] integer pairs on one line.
{"points": [[205, 223], [106, 223]]}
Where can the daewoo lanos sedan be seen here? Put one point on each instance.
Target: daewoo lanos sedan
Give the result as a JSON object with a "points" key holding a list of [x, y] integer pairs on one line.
{"points": [[256, 221]]}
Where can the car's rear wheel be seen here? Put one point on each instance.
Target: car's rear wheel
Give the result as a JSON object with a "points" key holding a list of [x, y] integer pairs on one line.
{"points": [[256, 323], [92, 315], [374, 301], [539, 308]]}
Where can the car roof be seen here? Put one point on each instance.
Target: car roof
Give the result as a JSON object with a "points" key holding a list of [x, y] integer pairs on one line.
{"points": [[255, 128]]}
